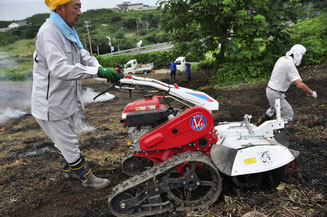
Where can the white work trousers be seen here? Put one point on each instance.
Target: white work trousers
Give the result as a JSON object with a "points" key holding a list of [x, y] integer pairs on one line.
{"points": [[286, 109], [62, 134]]}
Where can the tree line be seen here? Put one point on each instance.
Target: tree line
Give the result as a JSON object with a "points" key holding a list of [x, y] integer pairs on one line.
{"points": [[124, 28], [233, 40], [244, 38]]}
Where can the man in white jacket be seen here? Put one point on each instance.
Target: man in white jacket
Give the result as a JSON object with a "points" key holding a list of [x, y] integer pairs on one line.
{"points": [[60, 62], [284, 73]]}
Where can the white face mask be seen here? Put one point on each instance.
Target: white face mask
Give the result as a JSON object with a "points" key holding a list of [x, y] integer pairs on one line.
{"points": [[297, 58], [298, 51]]}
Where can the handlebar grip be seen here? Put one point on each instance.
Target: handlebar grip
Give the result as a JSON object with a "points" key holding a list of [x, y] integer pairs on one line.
{"points": [[121, 75]]}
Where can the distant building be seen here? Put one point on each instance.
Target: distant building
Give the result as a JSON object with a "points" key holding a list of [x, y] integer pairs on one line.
{"points": [[128, 6], [15, 25], [19, 24]]}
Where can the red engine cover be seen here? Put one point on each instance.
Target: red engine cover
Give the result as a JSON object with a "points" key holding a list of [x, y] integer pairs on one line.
{"points": [[181, 130], [150, 103]]}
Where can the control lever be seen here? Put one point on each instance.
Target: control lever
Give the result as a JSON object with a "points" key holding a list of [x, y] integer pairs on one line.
{"points": [[120, 75], [103, 92]]}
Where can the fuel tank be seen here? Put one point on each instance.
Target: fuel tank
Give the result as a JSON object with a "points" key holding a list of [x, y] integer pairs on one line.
{"points": [[178, 131]]}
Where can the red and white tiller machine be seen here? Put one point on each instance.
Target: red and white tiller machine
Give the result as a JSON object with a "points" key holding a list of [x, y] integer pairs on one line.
{"points": [[178, 157]]}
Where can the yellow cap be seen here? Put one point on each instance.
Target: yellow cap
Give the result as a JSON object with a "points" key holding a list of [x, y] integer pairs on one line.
{"points": [[52, 4]]}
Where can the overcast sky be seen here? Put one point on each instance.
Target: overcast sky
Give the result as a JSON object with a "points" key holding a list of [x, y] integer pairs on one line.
{"points": [[21, 9]]}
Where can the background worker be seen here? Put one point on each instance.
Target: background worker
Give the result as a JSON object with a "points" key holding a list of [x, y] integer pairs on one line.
{"points": [[284, 73], [173, 69], [188, 71], [60, 62]]}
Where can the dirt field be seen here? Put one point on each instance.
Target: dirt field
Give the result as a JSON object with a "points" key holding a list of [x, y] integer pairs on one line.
{"points": [[32, 184]]}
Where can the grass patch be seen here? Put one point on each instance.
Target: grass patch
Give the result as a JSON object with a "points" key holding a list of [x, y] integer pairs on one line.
{"points": [[104, 158], [18, 61], [20, 48]]}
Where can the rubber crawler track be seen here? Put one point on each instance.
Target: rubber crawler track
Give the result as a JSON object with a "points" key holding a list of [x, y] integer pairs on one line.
{"points": [[142, 181]]}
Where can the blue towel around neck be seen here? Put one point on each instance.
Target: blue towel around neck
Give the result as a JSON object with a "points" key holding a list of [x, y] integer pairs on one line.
{"points": [[66, 30]]}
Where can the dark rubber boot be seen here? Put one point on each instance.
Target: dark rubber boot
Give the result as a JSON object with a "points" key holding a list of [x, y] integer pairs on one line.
{"points": [[263, 118], [89, 180], [94, 182], [68, 173]]}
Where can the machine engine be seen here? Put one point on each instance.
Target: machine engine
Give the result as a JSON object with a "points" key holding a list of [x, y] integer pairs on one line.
{"points": [[143, 115]]}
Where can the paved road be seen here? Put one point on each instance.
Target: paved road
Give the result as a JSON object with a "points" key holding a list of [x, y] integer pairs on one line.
{"points": [[161, 48], [145, 49]]}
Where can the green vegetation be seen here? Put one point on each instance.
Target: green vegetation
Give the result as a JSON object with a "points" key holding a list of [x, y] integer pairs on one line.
{"points": [[24, 32], [4, 24], [124, 28], [120, 26], [312, 33], [236, 42], [19, 55], [159, 58], [244, 38]]}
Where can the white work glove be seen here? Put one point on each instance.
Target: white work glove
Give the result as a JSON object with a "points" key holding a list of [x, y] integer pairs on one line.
{"points": [[314, 94]]}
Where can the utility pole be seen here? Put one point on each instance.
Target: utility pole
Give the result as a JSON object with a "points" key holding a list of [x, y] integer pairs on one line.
{"points": [[147, 27], [109, 43], [84, 41], [137, 27], [87, 25], [138, 21]]}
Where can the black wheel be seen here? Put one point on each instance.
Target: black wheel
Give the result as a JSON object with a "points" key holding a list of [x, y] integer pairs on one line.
{"points": [[198, 183], [118, 206], [133, 166]]}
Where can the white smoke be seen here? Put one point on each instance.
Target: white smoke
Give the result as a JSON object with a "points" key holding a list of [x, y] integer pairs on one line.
{"points": [[80, 126], [15, 97], [87, 97], [6, 62], [10, 113], [15, 101], [88, 94]]}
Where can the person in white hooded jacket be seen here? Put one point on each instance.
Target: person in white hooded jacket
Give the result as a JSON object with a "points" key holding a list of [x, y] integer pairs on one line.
{"points": [[60, 62], [283, 75]]}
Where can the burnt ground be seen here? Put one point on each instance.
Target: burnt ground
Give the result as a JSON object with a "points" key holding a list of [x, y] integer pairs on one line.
{"points": [[32, 184]]}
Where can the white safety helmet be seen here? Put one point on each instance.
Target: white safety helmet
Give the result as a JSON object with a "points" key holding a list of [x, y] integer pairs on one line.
{"points": [[298, 51]]}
